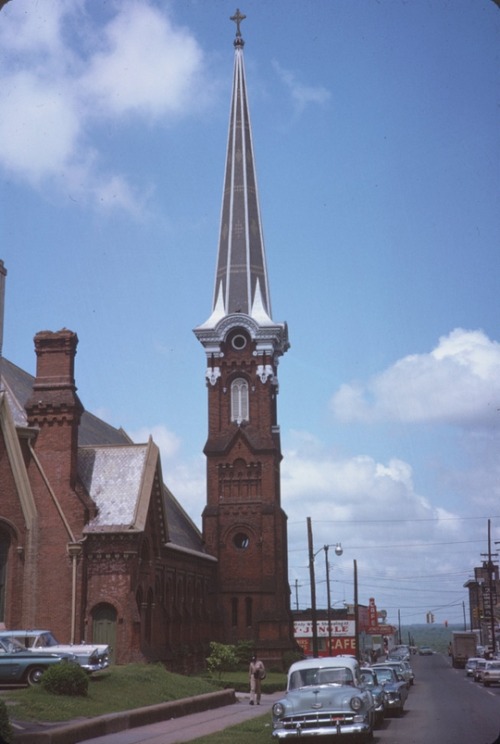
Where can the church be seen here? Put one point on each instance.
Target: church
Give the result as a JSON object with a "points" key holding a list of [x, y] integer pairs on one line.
{"points": [[93, 545]]}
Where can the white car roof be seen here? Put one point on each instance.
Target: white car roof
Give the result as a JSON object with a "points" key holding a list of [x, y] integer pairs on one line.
{"points": [[325, 661]]}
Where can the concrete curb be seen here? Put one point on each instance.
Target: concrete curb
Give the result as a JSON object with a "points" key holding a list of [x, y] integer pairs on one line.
{"points": [[83, 729]]}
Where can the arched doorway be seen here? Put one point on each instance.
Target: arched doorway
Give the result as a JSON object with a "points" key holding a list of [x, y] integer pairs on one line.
{"points": [[104, 627]]}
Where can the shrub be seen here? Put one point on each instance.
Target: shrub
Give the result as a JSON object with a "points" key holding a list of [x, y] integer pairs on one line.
{"points": [[5, 728], [222, 658], [65, 679]]}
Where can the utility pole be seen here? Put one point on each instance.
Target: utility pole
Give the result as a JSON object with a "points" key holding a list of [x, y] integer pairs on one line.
{"points": [[356, 611], [314, 619]]}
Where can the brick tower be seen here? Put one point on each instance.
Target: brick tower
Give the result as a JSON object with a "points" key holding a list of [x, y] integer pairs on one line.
{"points": [[244, 525]]}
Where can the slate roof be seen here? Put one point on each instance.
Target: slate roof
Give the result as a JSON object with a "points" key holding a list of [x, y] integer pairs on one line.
{"points": [[110, 467]]}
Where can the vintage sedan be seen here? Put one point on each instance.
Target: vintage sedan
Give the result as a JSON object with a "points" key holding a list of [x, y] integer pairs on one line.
{"points": [[394, 687], [471, 664], [402, 668], [325, 698], [477, 674], [91, 657], [491, 673], [370, 681], [19, 666]]}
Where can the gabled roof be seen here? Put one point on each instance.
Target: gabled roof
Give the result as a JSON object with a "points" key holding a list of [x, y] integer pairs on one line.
{"points": [[117, 474]]}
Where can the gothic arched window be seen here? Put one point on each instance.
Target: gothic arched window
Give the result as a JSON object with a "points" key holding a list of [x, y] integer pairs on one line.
{"points": [[4, 552], [239, 400]]}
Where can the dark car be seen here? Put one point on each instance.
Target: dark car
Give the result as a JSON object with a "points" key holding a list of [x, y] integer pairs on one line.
{"points": [[19, 666], [370, 681], [394, 687]]}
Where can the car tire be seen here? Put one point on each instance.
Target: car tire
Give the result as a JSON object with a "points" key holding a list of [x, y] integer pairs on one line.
{"points": [[486, 684], [34, 675]]}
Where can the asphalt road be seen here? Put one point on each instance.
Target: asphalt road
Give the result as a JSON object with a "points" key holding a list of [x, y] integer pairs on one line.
{"points": [[444, 707]]}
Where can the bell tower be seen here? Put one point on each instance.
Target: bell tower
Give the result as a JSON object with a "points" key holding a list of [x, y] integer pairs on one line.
{"points": [[244, 525]]}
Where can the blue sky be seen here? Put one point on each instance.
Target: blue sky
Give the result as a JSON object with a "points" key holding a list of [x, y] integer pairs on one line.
{"points": [[377, 140]]}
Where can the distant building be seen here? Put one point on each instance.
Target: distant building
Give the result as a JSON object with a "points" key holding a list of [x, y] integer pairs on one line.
{"points": [[338, 635], [93, 545], [484, 607]]}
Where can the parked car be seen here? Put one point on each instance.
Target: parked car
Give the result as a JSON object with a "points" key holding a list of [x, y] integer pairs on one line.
{"points": [[394, 687], [470, 665], [403, 668], [325, 698], [491, 673], [18, 665], [478, 671], [92, 658], [370, 681]]}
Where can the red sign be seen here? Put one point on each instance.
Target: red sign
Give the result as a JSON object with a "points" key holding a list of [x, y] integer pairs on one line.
{"points": [[372, 614], [382, 630]]}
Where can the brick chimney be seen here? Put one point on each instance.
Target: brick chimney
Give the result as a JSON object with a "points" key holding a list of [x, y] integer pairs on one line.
{"points": [[54, 407]]}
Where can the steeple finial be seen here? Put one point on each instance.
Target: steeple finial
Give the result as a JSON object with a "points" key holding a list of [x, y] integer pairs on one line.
{"points": [[238, 18]]}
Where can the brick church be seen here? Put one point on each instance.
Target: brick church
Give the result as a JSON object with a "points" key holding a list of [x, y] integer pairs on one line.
{"points": [[93, 545]]}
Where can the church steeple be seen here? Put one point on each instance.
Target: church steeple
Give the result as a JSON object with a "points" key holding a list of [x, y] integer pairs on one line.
{"points": [[241, 264], [244, 526]]}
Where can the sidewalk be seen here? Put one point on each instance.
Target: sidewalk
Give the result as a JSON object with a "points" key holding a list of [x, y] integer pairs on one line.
{"points": [[175, 729]]}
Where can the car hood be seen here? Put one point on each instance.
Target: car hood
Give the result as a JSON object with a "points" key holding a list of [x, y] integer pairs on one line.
{"points": [[322, 697]]}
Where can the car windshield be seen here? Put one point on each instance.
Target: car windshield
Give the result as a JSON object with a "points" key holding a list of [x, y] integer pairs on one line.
{"points": [[385, 675], [46, 640], [320, 676], [368, 678], [10, 646]]}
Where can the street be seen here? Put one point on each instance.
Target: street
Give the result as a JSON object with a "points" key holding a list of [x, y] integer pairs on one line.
{"points": [[444, 707]]}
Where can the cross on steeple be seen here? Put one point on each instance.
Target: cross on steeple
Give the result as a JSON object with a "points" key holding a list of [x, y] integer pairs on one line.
{"points": [[238, 18]]}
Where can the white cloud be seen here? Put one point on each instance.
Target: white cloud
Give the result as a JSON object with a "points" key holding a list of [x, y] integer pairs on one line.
{"points": [[456, 383], [61, 75], [383, 523], [167, 442], [302, 95], [146, 66]]}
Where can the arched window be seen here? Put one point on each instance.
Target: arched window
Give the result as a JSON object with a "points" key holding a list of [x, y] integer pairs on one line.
{"points": [[248, 611], [4, 553], [239, 400], [234, 612]]}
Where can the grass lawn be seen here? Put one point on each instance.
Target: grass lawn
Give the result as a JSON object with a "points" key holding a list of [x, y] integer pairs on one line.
{"points": [[123, 688], [255, 731]]}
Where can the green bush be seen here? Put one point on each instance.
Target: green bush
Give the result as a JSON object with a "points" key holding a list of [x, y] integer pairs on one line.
{"points": [[5, 728], [222, 658], [65, 679]]}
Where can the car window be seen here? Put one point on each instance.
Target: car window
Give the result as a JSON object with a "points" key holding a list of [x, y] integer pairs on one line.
{"points": [[320, 676]]}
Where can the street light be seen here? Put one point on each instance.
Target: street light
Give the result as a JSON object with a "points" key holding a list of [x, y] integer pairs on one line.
{"points": [[338, 551]]}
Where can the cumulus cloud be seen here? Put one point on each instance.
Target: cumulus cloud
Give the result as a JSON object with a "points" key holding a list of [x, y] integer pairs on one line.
{"points": [[456, 383], [61, 74], [302, 95], [167, 442], [374, 509]]}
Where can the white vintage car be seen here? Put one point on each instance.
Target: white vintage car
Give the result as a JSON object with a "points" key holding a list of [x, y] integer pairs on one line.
{"points": [[325, 697], [91, 657]]}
